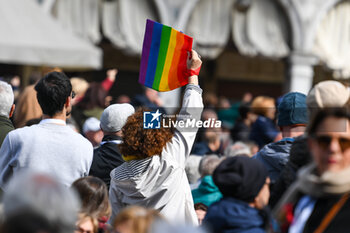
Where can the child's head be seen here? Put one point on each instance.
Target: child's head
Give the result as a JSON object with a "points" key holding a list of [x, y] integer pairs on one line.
{"points": [[93, 193]]}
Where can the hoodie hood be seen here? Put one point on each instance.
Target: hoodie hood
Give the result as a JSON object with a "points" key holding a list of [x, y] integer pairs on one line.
{"points": [[207, 185], [156, 183], [230, 215], [207, 192], [134, 178], [275, 156], [147, 182]]}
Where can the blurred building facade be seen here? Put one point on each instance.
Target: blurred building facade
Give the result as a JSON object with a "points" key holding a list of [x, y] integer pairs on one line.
{"points": [[263, 46]]}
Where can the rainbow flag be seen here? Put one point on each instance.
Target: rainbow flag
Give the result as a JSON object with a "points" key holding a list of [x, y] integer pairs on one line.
{"points": [[164, 55]]}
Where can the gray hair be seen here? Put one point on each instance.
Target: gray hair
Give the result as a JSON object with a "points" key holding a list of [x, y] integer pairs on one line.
{"points": [[6, 98], [41, 195], [191, 168], [238, 148], [208, 164]]}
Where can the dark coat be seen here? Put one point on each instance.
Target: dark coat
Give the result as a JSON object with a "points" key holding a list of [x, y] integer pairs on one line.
{"points": [[230, 215], [106, 158], [263, 131], [5, 127], [310, 194], [340, 223], [299, 157], [240, 131]]}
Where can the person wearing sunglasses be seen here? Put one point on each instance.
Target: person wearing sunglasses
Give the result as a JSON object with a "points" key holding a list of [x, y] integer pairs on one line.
{"points": [[320, 197]]}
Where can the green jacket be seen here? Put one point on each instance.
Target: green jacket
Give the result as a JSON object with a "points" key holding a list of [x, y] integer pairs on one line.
{"points": [[5, 127], [207, 192]]}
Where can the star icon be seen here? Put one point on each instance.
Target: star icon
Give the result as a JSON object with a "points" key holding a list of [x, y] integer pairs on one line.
{"points": [[155, 115]]}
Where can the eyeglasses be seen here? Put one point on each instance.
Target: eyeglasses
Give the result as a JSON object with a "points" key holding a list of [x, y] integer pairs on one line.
{"points": [[324, 141], [73, 94]]}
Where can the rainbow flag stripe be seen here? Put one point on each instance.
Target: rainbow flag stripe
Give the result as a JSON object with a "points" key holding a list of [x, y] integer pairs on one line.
{"points": [[164, 55]]}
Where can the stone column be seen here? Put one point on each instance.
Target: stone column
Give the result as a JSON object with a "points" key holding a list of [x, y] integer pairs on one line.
{"points": [[304, 17], [300, 72]]}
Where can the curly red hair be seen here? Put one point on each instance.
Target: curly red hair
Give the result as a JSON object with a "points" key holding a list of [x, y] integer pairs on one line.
{"points": [[141, 142]]}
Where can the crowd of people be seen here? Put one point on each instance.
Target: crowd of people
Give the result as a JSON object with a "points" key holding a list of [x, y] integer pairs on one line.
{"points": [[71, 160]]}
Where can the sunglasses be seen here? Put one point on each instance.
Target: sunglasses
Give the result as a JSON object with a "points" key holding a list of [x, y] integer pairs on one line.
{"points": [[324, 141]]}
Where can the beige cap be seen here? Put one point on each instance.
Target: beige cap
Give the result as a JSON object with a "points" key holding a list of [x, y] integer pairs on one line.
{"points": [[328, 94]]}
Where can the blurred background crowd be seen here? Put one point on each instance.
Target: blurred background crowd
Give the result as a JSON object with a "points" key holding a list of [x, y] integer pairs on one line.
{"points": [[254, 52]]}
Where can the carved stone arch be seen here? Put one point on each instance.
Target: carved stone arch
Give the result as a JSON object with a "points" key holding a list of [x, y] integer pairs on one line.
{"points": [[331, 39], [287, 19], [123, 23], [304, 17], [209, 24], [294, 22], [268, 37], [326, 6], [175, 13]]}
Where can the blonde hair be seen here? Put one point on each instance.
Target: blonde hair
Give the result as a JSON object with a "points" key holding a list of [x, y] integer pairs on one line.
{"points": [[47, 70], [79, 85], [139, 218], [261, 105]]}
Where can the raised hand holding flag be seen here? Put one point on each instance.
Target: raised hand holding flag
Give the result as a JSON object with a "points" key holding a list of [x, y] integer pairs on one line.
{"points": [[164, 58]]}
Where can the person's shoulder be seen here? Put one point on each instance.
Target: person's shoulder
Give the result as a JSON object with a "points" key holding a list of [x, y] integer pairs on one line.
{"points": [[77, 137], [98, 150], [282, 146], [20, 135], [263, 150], [274, 148], [260, 122], [82, 139], [119, 173], [23, 130], [261, 119]]}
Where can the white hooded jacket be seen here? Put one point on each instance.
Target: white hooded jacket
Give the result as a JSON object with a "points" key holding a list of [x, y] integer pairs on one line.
{"points": [[160, 182]]}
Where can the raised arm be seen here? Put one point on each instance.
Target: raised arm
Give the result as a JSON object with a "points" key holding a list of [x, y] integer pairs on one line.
{"points": [[194, 64], [191, 110], [109, 80]]}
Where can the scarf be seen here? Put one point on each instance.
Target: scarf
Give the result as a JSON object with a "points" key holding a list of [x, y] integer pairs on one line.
{"points": [[310, 183], [128, 158], [328, 184]]}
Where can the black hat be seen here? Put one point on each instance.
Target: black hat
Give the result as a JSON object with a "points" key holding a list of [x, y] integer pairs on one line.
{"points": [[240, 177]]}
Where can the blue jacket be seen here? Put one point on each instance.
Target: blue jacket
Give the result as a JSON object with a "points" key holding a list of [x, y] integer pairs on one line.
{"points": [[263, 131], [230, 215], [275, 157]]}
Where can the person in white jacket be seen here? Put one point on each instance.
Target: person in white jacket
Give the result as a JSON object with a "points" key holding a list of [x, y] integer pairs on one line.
{"points": [[154, 175]]}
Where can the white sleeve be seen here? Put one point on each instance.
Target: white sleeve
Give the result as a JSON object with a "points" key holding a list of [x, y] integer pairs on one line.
{"points": [[192, 106], [6, 159]]}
